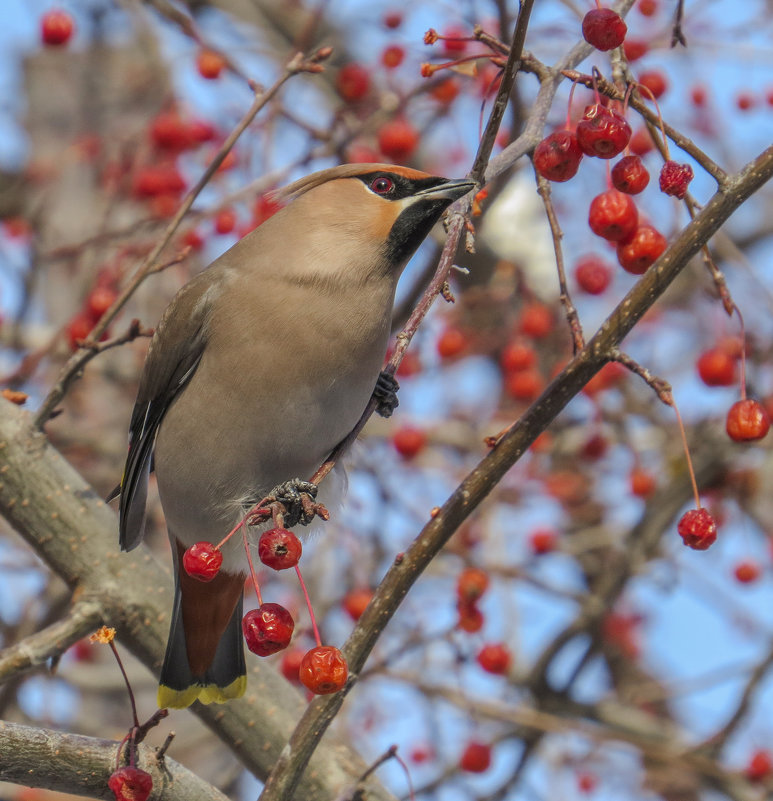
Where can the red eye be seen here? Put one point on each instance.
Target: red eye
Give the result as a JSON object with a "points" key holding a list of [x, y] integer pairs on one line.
{"points": [[382, 185]]}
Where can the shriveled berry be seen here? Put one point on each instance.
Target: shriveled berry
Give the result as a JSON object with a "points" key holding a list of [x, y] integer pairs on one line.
{"points": [[476, 757], [641, 250], [267, 629], [675, 178], [353, 82], [557, 157], [494, 658], [602, 133], [471, 584], [604, 28], [698, 529], [202, 561], [56, 27], [323, 670], [592, 275], [613, 215], [279, 549], [747, 420], [716, 368], [629, 175], [130, 784]]}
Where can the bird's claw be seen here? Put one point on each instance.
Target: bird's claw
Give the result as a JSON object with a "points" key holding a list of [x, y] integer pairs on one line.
{"points": [[385, 393], [297, 498]]}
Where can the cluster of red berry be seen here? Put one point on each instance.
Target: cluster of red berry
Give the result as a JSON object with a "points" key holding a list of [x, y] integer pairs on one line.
{"points": [[269, 628]]}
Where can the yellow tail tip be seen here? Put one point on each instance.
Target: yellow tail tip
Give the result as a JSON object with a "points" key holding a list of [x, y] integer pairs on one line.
{"points": [[205, 693]]}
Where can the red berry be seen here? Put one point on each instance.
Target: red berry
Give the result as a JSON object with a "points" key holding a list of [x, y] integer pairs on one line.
{"points": [[56, 27], [471, 584], [398, 139], [747, 420], [557, 157], [267, 629], [745, 101], [264, 208], [629, 175], [586, 782], [99, 300], [716, 367], [602, 132], [409, 441], [79, 329], [393, 19], [453, 40], [323, 670], [210, 64], [642, 482], [542, 541], [451, 342], [698, 95], [647, 8], [201, 131], [641, 142], [225, 221], [193, 239], [130, 784], [494, 658], [524, 385], [655, 81], [675, 178], [610, 375], [446, 91], [169, 131], [747, 572], [517, 356], [536, 320], [470, 617], [592, 275], [698, 529], [641, 250], [760, 766], [353, 82], [634, 49], [290, 664], [202, 561], [155, 180], [604, 28], [476, 757], [279, 549], [392, 56], [356, 601], [613, 215]]}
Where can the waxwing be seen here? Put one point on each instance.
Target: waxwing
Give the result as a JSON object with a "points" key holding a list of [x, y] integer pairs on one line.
{"points": [[259, 367]]}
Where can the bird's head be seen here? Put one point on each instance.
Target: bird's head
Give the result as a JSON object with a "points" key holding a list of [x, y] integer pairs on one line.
{"points": [[381, 211]]}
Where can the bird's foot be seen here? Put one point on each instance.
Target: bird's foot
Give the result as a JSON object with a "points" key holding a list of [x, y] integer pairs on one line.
{"points": [[297, 501], [385, 393]]}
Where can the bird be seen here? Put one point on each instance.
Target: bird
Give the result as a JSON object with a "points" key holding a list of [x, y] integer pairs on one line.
{"points": [[260, 366]]}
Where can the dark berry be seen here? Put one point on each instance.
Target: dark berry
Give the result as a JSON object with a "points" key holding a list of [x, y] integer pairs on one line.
{"points": [[675, 178]]}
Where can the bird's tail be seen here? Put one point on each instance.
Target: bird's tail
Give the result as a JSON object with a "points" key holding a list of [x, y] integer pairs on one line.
{"points": [[204, 654]]}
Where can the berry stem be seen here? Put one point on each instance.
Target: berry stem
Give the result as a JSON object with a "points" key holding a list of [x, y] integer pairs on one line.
{"points": [[683, 434], [743, 352], [233, 531], [569, 107], [253, 575], [652, 97], [128, 686], [308, 606]]}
